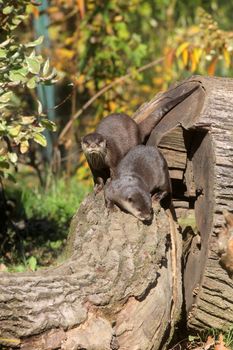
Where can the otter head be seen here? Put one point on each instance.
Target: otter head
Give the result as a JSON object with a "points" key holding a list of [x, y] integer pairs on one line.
{"points": [[94, 148], [138, 203], [131, 197]]}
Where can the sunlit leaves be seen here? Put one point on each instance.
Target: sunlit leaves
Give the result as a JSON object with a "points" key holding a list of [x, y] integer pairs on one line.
{"points": [[36, 42], [20, 67], [39, 138], [33, 65], [203, 48]]}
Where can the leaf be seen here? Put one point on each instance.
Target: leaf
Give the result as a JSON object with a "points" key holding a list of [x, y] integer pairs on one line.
{"points": [[40, 107], [7, 10], [227, 57], [56, 244], [3, 53], [39, 138], [6, 97], [31, 84], [11, 177], [13, 157], [185, 56], [64, 53], [36, 42], [32, 263], [4, 164], [14, 130], [197, 52], [27, 120], [193, 62], [6, 42], [181, 48], [46, 67], [18, 75], [33, 65], [212, 66], [48, 124], [24, 146], [209, 343]]}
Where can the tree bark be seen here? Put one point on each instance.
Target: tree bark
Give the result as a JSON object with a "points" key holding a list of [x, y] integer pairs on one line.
{"points": [[120, 286], [197, 140], [111, 293]]}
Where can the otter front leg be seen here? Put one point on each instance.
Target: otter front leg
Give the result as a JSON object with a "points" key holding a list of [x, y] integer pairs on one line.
{"points": [[99, 184], [109, 203], [158, 196]]}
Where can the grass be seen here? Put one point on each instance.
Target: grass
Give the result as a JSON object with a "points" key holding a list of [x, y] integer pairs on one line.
{"points": [[210, 339], [39, 221]]}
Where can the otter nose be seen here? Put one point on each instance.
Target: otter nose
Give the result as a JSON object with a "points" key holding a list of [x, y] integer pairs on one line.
{"points": [[93, 145]]}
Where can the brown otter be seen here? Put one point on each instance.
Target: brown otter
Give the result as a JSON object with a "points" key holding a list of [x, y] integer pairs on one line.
{"points": [[118, 133], [113, 138], [142, 173]]}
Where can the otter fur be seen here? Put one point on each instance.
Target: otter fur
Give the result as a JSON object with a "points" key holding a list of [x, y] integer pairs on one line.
{"points": [[113, 138], [142, 175]]}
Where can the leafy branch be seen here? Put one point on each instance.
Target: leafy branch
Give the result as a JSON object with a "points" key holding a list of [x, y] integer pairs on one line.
{"points": [[102, 91]]}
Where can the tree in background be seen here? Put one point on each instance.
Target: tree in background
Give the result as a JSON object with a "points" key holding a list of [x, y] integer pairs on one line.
{"points": [[21, 69], [100, 48]]}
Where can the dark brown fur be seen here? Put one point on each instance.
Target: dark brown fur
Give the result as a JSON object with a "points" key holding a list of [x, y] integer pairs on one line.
{"points": [[142, 173], [114, 137]]}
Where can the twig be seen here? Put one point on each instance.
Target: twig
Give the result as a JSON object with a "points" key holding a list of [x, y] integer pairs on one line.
{"points": [[101, 92]]}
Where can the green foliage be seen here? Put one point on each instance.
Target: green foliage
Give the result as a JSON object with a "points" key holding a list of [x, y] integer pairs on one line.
{"points": [[46, 215], [20, 67], [58, 203]]}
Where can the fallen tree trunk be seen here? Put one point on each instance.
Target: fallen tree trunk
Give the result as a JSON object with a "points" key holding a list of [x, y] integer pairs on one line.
{"points": [[120, 286], [111, 293], [196, 137]]}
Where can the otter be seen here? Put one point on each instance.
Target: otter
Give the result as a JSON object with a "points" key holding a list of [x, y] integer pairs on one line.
{"points": [[141, 176], [118, 133], [113, 138]]}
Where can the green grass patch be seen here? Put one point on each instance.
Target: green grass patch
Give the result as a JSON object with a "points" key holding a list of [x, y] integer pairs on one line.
{"points": [[39, 221]]}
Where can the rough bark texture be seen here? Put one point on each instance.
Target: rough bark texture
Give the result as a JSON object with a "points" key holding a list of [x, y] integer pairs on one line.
{"points": [[203, 160], [120, 287], [112, 293]]}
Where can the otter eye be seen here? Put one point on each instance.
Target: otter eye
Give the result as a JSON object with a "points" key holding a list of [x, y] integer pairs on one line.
{"points": [[130, 199]]}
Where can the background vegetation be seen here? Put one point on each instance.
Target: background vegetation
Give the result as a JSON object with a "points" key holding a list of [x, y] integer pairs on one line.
{"points": [[97, 57]]}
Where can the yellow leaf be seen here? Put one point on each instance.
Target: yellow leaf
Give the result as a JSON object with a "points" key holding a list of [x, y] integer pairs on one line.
{"points": [[227, 57], [14, 130], [181, 48], [24, 145], [212, 66], [28, 120], [193, 62], [112, 106], [180, 64], [64, 53], [158, 81], [197, 52], [185, 56], [79, 80]]}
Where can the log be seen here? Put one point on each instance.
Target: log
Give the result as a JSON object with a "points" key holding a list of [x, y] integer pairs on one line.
{"points": [[116, 275], [120, 286], [207, 125]]}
